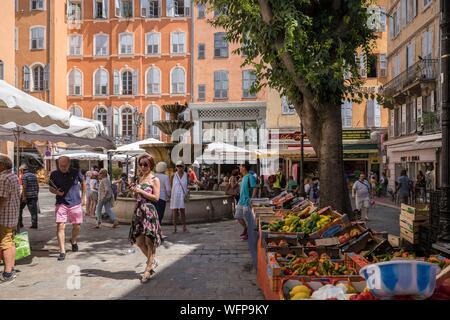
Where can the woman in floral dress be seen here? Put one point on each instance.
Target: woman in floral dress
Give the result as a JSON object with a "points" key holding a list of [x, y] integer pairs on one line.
{"points": [[145, 229]]}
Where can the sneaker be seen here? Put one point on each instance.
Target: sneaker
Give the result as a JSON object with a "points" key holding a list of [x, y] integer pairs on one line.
{"points": [[74, 247], [244, 237], [8, 277], [34, 226], [244, 233], [62, 256]]}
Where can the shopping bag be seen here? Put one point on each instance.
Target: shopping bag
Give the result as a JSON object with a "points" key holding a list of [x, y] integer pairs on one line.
{"points": [[22, 243]]}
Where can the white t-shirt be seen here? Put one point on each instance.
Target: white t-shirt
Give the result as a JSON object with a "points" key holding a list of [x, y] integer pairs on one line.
{"points": [[362, 189]]}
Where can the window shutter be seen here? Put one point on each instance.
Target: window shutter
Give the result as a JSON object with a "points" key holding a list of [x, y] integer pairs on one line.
{"points": [[117, 8], [370, 113], [377, 109], [419, 113], [135, 82], [414, 8], [391, 28], [26, 78], [46, 77], [109, 120], [432, 106], [144, 8], [403, 13], [170, 8], [105, 9], [382, 14], [116, 83], [116, 122], [363, 65], [403, 118], [383, 65]]}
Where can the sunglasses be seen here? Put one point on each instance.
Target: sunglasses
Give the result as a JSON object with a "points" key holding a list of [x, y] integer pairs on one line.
{"points": [[145, 164]]}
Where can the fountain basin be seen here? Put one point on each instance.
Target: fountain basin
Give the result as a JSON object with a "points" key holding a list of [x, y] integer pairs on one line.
{"points": [[204, 206]]}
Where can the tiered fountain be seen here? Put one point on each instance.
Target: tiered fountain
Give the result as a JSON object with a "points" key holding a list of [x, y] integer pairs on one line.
{"points": [[204, 206]]}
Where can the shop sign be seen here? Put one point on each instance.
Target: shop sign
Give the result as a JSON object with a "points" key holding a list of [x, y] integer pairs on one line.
{"points": [[356, 155], [375, 161], [355, 134]]}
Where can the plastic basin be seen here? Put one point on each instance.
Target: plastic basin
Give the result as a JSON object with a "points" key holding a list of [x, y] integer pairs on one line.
{"points": [[401, 278]]}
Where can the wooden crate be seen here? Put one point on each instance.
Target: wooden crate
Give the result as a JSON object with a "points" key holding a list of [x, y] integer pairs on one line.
{"points": [[417, 212], [409, 236], [411, 226]]}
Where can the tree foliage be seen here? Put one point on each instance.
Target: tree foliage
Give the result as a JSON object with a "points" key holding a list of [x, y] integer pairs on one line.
{"points": [[302, 48]]}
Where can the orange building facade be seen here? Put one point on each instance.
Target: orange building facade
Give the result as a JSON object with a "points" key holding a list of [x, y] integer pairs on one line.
{"points": [[125, 59]]}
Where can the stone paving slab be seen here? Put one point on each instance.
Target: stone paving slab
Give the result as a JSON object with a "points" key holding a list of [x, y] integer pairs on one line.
{"points": [[207, 263]]}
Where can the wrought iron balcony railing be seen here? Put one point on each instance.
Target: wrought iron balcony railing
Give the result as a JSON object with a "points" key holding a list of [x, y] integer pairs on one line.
{"points": [[423, 70], [431, 122]]}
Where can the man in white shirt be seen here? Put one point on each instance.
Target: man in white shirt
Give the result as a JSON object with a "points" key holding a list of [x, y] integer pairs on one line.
{"points": [[361, 193]]}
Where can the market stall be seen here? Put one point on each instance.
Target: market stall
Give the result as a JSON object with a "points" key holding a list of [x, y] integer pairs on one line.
{"points": [[307, 252]]}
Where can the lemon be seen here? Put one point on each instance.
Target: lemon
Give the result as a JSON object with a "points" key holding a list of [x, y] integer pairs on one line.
{"points": [[301, 296], [300, 289]]}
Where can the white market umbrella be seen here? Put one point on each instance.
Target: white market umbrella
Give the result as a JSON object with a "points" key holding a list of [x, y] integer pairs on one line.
{"points": [[134, 149], [81, 131], [21, 109]]}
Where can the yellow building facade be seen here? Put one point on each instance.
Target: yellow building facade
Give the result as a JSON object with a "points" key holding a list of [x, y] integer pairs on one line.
{"points": [[414, 142]]}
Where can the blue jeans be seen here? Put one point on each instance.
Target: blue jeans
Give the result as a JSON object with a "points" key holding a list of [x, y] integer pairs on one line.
{"points": [[252, 234], [107, 205]]}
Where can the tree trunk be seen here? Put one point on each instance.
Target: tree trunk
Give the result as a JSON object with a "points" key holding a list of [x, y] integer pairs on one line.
{"points": [[333, 185]]}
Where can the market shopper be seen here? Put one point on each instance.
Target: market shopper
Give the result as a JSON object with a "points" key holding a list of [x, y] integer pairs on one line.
{"points": [[178, 196], [29, 196], [420, 188], [165, 189], [93, 197], [69, 187], [280, 182], [361, 192], [404, 187], [9, 217], [312, 190], [248, 190], [145, 229], [105, 199]]}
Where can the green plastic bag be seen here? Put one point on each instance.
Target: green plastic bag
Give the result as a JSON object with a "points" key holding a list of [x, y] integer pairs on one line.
{"points": [[22, 245]]}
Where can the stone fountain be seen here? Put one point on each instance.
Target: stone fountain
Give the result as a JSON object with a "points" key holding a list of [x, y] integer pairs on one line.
{"points": [[203, 206]]}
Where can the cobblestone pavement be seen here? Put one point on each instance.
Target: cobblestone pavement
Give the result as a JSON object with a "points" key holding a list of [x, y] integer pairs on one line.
{"points": [[210, 262]]}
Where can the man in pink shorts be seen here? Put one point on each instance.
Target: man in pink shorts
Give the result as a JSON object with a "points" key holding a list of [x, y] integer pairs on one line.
{"points": [[69, 187]]}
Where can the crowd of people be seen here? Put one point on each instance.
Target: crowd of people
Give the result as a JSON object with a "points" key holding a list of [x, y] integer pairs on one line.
{"points": [[151, 188]]}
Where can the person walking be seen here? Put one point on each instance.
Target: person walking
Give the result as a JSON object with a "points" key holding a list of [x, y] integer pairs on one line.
{"points": [[373, 185], [361, 192], [248, 190], [145, 229], [105, 199], [404, 187], [420, 190], [178, 196], [69, 187], [384, 184], [29, 197], [292, 184], [88, 191], [165, 189], [9, 217], [93, 198], [312, 189]]}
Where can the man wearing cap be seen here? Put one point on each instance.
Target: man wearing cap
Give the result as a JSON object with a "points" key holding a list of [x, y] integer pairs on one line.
{"points": [[164, 191]]}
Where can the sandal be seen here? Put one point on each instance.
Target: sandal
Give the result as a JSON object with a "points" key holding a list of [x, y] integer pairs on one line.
{"points": [[147, 275]]}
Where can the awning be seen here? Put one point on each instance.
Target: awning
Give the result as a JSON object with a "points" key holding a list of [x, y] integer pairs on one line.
{"points": [[417, 146], [81, 132], [20, 109], [361, 148]]}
